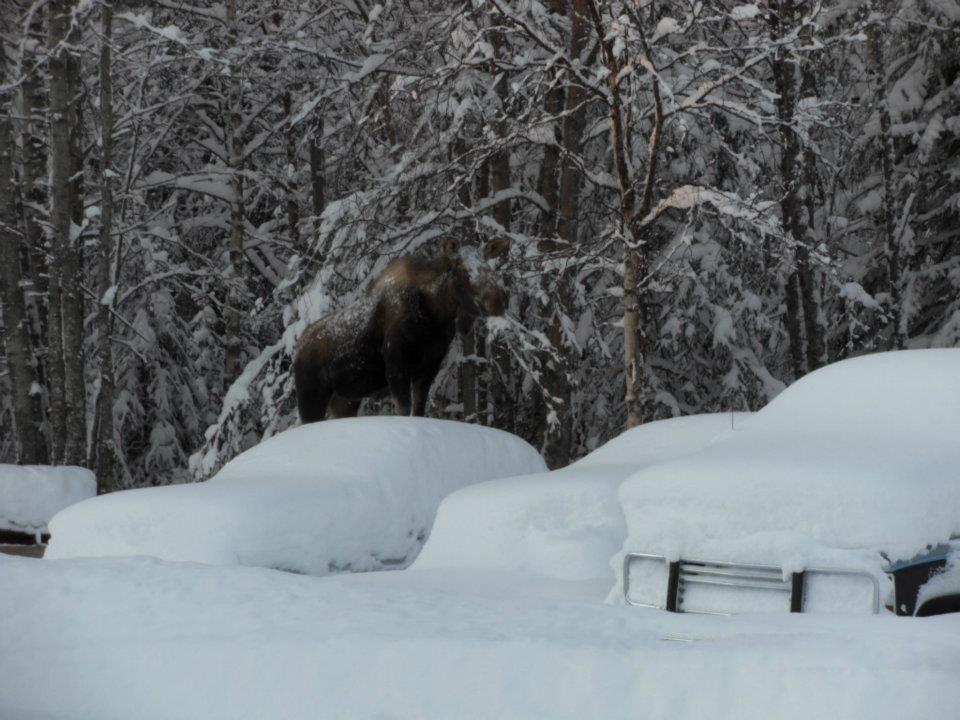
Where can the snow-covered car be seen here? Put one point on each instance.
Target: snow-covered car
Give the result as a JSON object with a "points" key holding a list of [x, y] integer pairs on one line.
{"points": [[32, 494], [842, 495], [565, 524], [355, 494]]}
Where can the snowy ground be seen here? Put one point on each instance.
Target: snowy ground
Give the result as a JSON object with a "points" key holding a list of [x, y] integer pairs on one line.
{"points": [[141, 638]]}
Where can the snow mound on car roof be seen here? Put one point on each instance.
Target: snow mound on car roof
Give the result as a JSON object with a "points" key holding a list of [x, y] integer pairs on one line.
{"points": [[564, 524], [861, 456], [355, 494]]}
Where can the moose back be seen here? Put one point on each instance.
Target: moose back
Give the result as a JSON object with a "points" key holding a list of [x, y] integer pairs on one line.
{"points": [[395, 337]]}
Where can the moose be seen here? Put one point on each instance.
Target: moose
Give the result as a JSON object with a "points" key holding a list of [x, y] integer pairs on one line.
{"points": [[395, 337]]}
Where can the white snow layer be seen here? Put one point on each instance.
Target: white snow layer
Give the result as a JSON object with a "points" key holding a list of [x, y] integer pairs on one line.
{"points": [[354, 494], [32, 494], [115, 639], [564, 524], [857, 458]]}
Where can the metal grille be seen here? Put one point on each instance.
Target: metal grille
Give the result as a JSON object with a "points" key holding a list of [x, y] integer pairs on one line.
{"points": [[754, 577], [683, 575]]}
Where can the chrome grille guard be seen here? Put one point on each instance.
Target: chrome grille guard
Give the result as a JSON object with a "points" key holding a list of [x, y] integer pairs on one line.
{"points": [[683, 573]]}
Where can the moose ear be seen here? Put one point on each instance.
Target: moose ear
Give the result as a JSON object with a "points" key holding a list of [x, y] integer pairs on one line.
{"points": [[450, 247], [497, 248]]}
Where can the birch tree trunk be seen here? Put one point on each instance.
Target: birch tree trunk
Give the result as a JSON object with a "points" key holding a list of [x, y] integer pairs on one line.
{"points": [[31, 449], [633, 225]]}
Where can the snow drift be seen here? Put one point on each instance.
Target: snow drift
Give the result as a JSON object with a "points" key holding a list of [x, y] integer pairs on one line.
{"points": [[355, 494], [32, 494], [564, 524], [115, 639], [854, 459]]}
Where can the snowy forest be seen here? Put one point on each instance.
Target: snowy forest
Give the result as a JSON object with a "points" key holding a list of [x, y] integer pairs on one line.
{"points": [[690, 203]]}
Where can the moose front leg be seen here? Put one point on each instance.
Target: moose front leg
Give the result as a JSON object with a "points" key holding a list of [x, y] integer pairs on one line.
{"points": [[421, 387], [398, 379]]}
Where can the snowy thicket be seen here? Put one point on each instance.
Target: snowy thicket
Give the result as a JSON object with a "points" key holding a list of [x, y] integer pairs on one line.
{"points": [[691, 205], [311, 500]]}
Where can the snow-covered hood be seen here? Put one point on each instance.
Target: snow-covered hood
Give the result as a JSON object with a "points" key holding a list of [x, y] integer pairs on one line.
{"points": [[859, 458]]}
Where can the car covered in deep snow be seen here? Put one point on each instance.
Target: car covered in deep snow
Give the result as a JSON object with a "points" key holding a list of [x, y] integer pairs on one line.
{"points": [[567, 523], [842, 495], [355, 494]]}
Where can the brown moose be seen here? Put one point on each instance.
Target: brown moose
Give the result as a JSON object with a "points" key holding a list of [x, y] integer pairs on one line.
{"points": [[395, 337]]}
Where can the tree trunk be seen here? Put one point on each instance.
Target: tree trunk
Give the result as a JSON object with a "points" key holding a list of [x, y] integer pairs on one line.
{"points": [[573, 126], [548, 183], [73, 301], [34, 166], [878, 74], [290, 148], [317, 163], [815, 332], [784, 74], [233, 353], [500, 161], [27, 415], [66, 303], [558, 423], [105, 452]]}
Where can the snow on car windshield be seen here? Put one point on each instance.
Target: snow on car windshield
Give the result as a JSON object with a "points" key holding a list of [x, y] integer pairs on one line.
{"points": [[858, 457]]}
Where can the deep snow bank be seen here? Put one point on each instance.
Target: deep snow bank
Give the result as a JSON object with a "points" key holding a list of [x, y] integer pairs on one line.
{"points": [[858, 457], [32, 494], [355, 494], [563, 524], [115, 639]]}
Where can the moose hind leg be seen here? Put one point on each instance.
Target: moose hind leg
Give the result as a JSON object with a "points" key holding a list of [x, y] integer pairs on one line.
{"points": [[421, 387], [398, 378]]}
